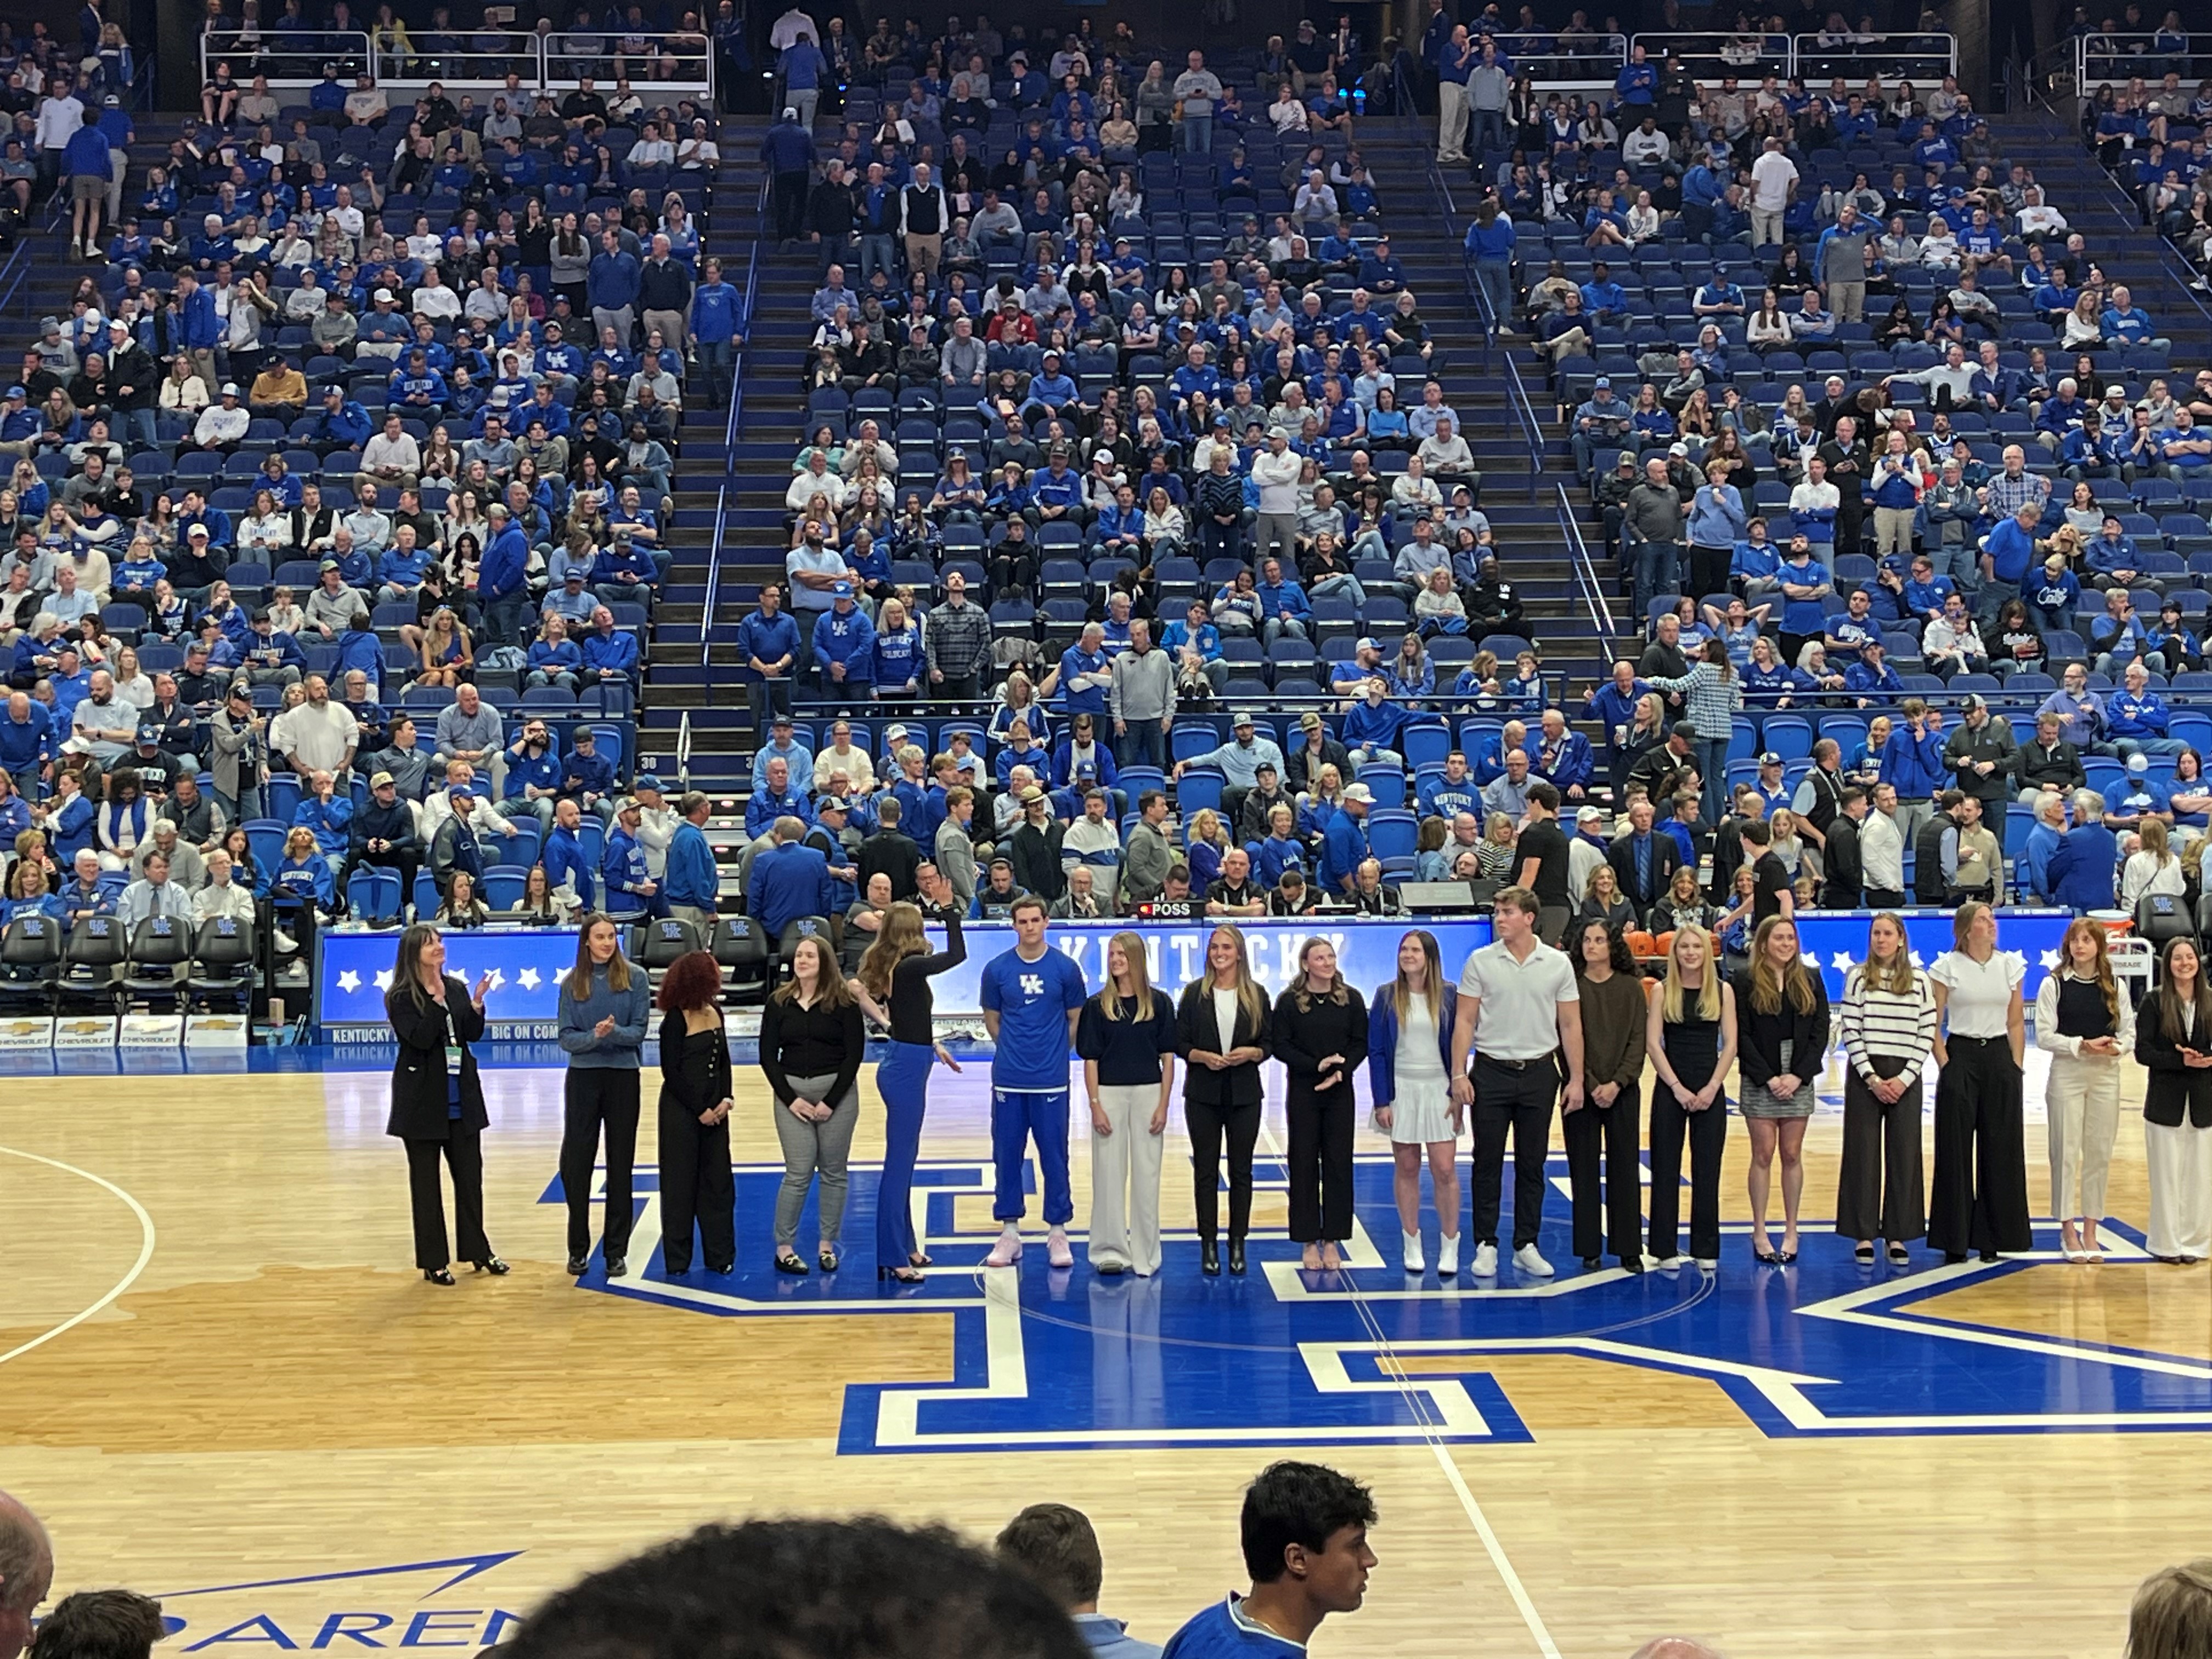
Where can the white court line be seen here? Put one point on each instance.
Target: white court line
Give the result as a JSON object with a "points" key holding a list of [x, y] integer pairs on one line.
{"points": [[1416, 1399], [145, 1251]]}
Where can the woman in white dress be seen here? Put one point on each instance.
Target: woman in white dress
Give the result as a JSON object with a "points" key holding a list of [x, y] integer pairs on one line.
{"points": [[2085, 1022], [1408, 1055], [1978, 1196], [2173, 1043]]}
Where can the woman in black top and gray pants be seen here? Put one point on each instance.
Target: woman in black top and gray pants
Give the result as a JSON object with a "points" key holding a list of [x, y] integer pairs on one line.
{"points": [[811, 1042], [1321, 1037]]}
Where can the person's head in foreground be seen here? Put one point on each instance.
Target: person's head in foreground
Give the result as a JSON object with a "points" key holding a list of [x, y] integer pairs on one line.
{"points": [[2172, 1618], [26, 1571], [1304, 1533], [107, 1624], [803, 1590]]}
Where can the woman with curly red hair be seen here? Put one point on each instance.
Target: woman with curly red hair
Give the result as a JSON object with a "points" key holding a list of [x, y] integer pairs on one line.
{"points": [[696, 1183]]}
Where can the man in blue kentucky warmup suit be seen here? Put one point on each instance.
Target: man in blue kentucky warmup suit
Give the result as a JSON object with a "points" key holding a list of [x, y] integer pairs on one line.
{"points": [[1031, 996]]}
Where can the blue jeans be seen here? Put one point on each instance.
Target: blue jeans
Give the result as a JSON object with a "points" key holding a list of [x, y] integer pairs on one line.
{"points": [[1658, 570], [878, 252], [903, 1081], [1495, 279], [1712, 770], [1143, 744], [1198, 134], [1340, 586], [1486, 132], [506, 617], [715, 358], [1016, 1116]]}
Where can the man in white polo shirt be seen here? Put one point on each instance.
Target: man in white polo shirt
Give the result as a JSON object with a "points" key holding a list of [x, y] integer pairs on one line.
{"points": [[1520, 1014]]}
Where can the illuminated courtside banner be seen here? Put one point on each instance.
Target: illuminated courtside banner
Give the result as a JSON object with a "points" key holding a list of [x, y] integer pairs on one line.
{"points": [[354, 969]]}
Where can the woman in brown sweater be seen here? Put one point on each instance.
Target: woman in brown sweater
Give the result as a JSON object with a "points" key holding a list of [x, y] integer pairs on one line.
{"points": [[1611, 1116]]}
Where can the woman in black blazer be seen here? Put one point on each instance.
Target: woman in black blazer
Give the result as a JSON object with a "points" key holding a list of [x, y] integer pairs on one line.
{"points": [[1222, 1033], [437, 1099], [2173, 1043]]}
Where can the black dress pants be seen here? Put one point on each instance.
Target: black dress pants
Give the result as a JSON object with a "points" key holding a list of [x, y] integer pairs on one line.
{"points": [[1707, 1132], [1879, 1193], [1208, 1125], [696, 1188], [596, 1095], [1518, 1102], [1613, 1131], [463, 1150], [1977, 1200], [1320, 1163]]}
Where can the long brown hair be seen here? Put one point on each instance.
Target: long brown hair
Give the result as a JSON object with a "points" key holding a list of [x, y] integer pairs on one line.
{"points": [[830, 990], [1249, 996], [1897, 976], [1433, 988], [2170, 1006], [1767, 985], [578, 984], [1338, 992], [406, 971], [2100, 967], [1132, 946], [900, 936]]}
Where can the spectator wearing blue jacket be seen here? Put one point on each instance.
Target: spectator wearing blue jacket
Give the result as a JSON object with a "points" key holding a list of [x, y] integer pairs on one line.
{"points": [[2119, 638], [567, 863], [630, 886], [1344, 842], [692, 879], [611, 284], [2135, 717], [608, 654], [1912, 763], [2032, 868], [26, 741], [844, 646], [341, 423], [775, 797], [533, 777], [503, 579], [85, 163], [786, 881], [1284, 607], [2082, 872], [587, 777], [767, 647], [2008, 555]]}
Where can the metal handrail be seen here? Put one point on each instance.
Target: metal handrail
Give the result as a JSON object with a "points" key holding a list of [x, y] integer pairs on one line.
{"points": [[2119, 64], [1586, 574], [1524, 412], [293, 60], [730, 431], [1516, 389], [2171, 266]]}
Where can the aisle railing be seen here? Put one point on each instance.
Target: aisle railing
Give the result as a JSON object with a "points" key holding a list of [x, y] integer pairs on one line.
{"points": [[1588, 580], [730, 431]]}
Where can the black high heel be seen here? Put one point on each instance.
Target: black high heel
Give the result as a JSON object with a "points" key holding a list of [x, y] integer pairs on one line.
{"points": [[904, 1275], [438, 1275], [1209, 1258], [1236, 1256], [492, 1265]]}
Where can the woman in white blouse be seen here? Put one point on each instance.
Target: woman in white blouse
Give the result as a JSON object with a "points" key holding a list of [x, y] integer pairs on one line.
{"points": [[1888, 1029], [2153, 868], [1979, 1200], [1769, 325], [132, 684], [267, 531], [2085, 1024]]}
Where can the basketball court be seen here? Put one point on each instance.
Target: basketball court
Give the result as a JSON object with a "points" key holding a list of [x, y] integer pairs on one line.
{"points": [[222, 1381]]}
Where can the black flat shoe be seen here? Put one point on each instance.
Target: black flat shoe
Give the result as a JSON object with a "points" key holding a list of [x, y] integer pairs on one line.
{"points": [[1863, 1255], [828, 1261], [617, 1267], [791, 1264], [1988, 1255], [724, 1271], [673, 1270], [578, 1266], [1631, 1264], [1236, 1256], [1593, 1264], [437, 1275], [494, 1266], [1209, 1258], [1953, 1258]]}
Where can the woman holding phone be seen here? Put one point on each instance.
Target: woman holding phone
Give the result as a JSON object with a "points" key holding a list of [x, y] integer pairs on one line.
{"points": [[1222, 1032], [697, 1191], [604, 1009], [893, 990], [437, 1099]]}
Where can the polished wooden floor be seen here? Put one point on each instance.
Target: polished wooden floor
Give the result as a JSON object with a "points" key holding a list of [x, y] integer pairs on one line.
{"points": [[274, 1395]]}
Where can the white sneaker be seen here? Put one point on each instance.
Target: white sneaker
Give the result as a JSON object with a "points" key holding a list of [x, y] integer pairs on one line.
{"points": [[1529, 1260], [1710, 1264], [1486, 1261], [1448, 1257], [284, 942], [1413, 1262], [1055, 1248], [1673, 1263], [1006, 1252]]}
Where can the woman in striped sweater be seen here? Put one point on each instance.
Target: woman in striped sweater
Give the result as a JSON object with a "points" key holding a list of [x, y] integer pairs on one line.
{"points": [[1888, 1029]]}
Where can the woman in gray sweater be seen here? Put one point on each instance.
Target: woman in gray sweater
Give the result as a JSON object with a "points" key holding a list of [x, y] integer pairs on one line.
{"points": [[604, 1005]]}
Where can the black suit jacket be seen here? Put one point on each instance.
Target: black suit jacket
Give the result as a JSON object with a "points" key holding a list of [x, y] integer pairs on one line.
{"points": [[1842, 870], [2172, 1088], [1666, 859], [418, 1076], [1239, 1085]]}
